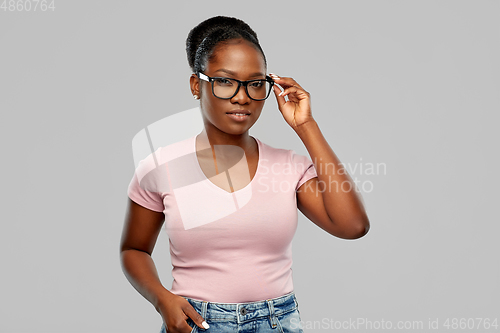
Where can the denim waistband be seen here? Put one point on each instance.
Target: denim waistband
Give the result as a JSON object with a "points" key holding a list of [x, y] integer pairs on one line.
{"points": [[242, 312]]}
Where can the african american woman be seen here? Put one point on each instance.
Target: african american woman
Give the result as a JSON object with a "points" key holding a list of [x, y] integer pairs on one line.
{"points": [[230, 207]]}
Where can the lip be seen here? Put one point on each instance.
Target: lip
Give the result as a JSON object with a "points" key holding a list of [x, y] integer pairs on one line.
{"points": [[240, 111], [231, 114]]}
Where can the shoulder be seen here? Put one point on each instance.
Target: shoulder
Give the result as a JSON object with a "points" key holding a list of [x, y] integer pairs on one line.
{"points": [[158, 159], [275, 154], [283, 155]]}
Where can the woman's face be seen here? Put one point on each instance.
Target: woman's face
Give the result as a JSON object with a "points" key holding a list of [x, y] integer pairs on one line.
{"points": [[239, 61]]}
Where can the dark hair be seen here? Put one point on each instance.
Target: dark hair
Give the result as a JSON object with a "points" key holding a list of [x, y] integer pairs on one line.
{"points": [[203, 39]]}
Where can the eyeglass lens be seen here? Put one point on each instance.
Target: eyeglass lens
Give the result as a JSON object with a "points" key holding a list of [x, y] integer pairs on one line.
{"points": [[225, 88]]}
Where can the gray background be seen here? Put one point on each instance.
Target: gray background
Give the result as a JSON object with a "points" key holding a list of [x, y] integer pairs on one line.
{"points": [[411, 84]]}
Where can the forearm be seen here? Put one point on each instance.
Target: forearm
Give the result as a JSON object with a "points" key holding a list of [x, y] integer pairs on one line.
{"points": [[342, 199], [140, 270]]}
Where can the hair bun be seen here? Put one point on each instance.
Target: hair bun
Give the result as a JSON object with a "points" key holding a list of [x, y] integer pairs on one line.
{"points": [[212, 31]]}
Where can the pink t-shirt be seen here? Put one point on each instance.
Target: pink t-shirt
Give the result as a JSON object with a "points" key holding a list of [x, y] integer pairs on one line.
{"points": [[225, 247]]}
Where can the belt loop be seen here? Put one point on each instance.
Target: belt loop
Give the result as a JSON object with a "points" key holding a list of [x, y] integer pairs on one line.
{"points": [[271, 313], [204, 306]]}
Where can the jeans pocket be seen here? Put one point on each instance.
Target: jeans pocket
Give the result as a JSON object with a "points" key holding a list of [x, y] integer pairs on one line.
{"points": [[192, 324], [289, 322]]}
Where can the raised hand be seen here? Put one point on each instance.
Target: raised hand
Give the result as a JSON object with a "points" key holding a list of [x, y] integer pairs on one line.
{"points": [[297, 110]]}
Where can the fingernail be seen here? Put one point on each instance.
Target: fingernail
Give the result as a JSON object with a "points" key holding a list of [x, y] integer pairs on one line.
{"points": [[281, 93], [204, 324]]}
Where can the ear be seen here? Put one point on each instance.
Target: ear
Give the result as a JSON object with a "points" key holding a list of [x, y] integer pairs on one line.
{"points": [[194, 83]]}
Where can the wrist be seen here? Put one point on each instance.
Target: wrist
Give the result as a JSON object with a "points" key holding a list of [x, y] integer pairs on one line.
{"points": [[306, 127], [163, 300]]}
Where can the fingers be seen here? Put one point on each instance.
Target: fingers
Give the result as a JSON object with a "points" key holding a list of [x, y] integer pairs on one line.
{"points": [[289, 92], [285, 82], [290, 87], [280, 99], [196, 317]]}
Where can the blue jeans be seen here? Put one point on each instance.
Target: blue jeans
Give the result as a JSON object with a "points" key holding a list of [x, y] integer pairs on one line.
{"points": [[275, 315]]}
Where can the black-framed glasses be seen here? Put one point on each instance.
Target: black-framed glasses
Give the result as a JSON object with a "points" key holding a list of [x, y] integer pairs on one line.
{"points": [[227, 88]]}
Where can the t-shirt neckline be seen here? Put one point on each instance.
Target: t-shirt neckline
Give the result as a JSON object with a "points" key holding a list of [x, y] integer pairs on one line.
{"points": [[209, 182]]}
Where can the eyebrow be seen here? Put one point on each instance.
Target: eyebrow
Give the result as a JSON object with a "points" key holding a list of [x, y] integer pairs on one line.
{"points": [[234, 74]]}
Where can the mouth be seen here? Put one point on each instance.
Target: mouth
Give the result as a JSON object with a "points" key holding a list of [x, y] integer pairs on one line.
{"points": [[239, 115], [239, 112]]}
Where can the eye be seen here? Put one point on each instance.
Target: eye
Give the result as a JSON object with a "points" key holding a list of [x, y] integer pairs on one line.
{"points": [[223, 82], [257, 84]]}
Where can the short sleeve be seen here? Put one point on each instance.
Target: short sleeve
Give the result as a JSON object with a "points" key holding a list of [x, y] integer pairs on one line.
{"points": [[142, 189], [304, 167]]}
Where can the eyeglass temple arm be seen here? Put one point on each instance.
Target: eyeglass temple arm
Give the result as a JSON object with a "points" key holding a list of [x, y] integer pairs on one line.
{"points": [[203, 76]]}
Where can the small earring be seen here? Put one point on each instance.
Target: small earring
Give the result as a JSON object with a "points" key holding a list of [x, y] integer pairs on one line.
{"points": [[196, 97]]}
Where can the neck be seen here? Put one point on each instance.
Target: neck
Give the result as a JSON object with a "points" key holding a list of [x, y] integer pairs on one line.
{"points": [[217, 137]]}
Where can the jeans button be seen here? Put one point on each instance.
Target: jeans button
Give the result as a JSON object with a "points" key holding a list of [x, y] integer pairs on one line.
{"points": [[243, 311]]}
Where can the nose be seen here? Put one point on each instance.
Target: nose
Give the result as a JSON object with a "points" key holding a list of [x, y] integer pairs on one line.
{"points": [[241, 96]]}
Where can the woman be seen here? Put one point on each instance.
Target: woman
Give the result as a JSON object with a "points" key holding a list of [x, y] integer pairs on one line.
{"points": [[232, 266]]}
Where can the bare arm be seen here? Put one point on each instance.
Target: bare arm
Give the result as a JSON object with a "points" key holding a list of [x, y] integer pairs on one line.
{"points": [[338, 211], [335, 205], [139, 236], [140, 232]]}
